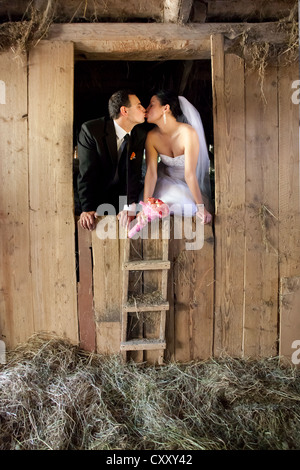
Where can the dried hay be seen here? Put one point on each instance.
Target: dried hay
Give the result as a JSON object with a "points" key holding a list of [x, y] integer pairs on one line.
{"points": [[19, 36], [141, 318], [259, 55], [147, 298], [55, 396]]}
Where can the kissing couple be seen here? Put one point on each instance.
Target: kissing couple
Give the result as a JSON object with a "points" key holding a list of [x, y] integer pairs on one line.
{"points": [[111, 151]]}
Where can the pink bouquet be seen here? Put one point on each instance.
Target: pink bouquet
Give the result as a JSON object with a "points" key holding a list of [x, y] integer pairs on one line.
{"points": [[152, 209]]}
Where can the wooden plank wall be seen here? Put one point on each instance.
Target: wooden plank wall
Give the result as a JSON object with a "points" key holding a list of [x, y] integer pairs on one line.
{"points": [[239, 295], [16, 319], [38, 274], [52, 226], [289, 209], [229, 153], [189, 326], [257, 206]]}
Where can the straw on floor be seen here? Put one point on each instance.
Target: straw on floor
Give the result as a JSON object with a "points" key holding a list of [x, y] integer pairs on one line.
{"points": [[55, 396]]}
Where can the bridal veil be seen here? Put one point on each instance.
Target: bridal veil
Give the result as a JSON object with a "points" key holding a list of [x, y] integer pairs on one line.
{"points": [[194, 119]]}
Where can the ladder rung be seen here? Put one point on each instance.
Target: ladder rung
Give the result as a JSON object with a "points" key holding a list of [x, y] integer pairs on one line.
{"points": [[141, 307], [146, 265], [142, 344]]}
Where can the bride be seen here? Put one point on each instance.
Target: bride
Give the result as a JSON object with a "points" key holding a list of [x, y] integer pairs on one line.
{"points": [[181, 179]]}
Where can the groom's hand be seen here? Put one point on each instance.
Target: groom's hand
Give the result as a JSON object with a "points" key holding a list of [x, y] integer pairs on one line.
{"points": [[88, 220]]}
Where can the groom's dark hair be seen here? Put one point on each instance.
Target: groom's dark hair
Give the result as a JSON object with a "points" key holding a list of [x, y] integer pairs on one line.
{"points": [[171, 98], [117, 100]]}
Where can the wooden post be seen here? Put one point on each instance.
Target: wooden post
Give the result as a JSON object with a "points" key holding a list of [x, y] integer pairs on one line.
{"points": [[229, 151], [52, 225], [86, 320], [261, 223], [289, 208], [16, 319], [107, 279]]}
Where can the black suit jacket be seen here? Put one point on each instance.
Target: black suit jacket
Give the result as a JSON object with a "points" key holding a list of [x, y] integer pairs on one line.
{"points": [[98, 163]]}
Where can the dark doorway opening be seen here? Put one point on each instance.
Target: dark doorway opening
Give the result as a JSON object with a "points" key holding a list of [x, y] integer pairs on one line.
{"points": [[96, 81]]}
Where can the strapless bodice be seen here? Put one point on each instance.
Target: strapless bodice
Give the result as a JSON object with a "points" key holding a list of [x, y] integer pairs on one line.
{"points": [[173, 161]]}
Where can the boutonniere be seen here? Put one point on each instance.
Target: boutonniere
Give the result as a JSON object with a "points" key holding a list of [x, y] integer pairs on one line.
{"points": [[132, 156]]}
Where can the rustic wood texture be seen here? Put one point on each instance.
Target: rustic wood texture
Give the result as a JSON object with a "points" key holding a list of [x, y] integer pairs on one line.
{"points": [[86, 321], [256, 128], [152, 282], [142, 309], [16, 320], [193, 283], [135, 328], [107, 282], [290, 318], [52, 227], [229, 130], [237, 295], [189, 326], [289, 208], [177, 10], [134, 41], [261, 223]]}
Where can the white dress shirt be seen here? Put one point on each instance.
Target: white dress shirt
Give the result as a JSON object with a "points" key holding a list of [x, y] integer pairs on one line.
{"points": [[120, 139]]}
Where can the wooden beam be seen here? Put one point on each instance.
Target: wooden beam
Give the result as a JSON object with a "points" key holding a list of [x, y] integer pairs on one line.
{"points": [[156, 41], [177, 11]]}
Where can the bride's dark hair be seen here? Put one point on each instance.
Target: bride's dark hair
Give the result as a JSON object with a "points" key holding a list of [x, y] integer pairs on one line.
{"points": [[170, 98]]}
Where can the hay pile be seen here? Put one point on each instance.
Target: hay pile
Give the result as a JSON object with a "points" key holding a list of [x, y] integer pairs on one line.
{"points": [[54, 396], [259, 55], [20, 36]]}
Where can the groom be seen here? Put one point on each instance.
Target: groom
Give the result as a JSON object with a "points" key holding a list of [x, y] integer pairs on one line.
{"points": [[109, 165]]}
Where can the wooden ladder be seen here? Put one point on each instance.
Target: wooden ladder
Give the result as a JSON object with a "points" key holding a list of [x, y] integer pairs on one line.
{"points": [[163, 265]]}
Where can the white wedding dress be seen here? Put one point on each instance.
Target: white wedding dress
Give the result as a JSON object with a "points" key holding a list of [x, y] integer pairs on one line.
{"points": [[172, 188]]}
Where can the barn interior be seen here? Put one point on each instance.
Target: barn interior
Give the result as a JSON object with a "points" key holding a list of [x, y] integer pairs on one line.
{"points": [[223, 333], [95, 81], [237, 63]]}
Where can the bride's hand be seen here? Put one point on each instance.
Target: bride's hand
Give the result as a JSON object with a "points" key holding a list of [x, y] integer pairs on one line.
{"points": [[125, 217], [203, 214]]}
